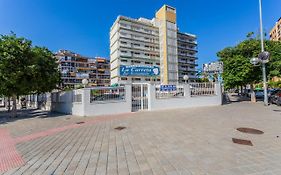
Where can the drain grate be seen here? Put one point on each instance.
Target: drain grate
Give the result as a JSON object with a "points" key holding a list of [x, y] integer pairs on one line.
{"points": [[250, 130], [242, 142], [79, 123], [120, 128]]}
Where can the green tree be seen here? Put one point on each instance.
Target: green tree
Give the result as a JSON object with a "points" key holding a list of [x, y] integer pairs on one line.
{"points": [[45, 70], [238, 70], [25, 69]]}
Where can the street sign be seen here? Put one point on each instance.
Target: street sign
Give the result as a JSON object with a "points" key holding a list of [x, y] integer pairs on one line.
{"points": [[139, 70], [168, 88]]}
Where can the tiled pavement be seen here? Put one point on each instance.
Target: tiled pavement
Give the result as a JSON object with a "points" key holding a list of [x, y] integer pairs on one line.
{"points": [[193, 141]]}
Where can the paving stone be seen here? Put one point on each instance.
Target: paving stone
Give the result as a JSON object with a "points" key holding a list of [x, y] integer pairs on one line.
{"points": [[176, 142]]}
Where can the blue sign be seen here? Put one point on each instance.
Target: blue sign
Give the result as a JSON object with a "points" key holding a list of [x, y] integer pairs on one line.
{"points": [[139, 70], [168, 88]]}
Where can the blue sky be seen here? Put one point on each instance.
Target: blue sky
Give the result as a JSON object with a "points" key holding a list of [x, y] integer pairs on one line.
{"points": [[83, 26]]}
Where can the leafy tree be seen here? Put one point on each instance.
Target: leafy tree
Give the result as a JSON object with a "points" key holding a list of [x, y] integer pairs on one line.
{"points": [[238, 70], [25, 69], [45, 70], [274, 66]]}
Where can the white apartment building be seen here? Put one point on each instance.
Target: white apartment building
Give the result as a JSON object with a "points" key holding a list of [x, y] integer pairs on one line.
{"points": [[139, 47]]}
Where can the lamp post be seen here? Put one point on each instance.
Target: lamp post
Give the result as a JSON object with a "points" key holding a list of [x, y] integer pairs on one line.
{"points": [[186, 78], [263, 63], [85, 82]]}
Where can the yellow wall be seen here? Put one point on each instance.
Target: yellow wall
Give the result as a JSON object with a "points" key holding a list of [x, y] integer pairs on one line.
{"points": [[163, 15]]}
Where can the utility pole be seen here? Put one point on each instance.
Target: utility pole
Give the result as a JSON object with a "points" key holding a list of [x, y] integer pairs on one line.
{"points": [[262, 50]]}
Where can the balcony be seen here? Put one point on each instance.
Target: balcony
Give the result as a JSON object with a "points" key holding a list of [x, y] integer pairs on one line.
{"points": [[187, 55], [129, 36], [187, 41], [188, 48]]}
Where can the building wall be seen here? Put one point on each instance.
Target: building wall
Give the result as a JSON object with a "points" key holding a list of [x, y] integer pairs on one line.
{"points": [[65, 102], [151, 42], [74, 68], [187, 56], [185, 102], [168, 44], [275, 33], [133, 42]]}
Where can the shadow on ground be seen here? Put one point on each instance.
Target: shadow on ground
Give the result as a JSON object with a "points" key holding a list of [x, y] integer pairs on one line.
{"points": [[5, 116]]}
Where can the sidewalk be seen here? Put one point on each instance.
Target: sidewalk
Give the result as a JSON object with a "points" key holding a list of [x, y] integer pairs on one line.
{"points": [[175, 142]]}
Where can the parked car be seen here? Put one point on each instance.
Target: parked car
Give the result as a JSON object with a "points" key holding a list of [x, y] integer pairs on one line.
{"points": [[275, 98], [259, 94], [271, 92]]}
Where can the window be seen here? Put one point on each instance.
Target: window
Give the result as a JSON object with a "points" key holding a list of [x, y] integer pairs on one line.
{"points": [[147, 79], [133, 61], [123, 33], [124, 78], [136, 79], [123, 42], [135, 36], [158, 64], [124, 60], [135, 28], [148, 63], [123, 51], [147, 31]]}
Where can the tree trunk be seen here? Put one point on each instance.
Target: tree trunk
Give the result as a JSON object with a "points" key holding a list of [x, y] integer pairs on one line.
{"points": [[253, 95], [14, 109], [9, 104], [245, 90]]}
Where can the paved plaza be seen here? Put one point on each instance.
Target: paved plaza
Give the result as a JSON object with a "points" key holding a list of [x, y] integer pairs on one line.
{"points": [[195, 141]]}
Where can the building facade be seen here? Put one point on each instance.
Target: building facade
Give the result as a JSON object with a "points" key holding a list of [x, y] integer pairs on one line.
{"points": [[75, 67], [275, 33], [141, 46], [187, 50]]}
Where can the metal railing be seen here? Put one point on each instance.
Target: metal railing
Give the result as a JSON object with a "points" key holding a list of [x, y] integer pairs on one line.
{"points": [[202, 89], [174, 93], [77, 98], [107, 94]]}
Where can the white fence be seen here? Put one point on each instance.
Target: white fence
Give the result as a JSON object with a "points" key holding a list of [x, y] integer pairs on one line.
{"points": [[106, 94], [191, 95], [114, 100], [177, 92], [93, 101], [202, 89]]}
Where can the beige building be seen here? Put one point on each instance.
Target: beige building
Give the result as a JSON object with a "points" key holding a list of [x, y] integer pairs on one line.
{"points": [[141, 46], [75, 67], [275, 33]]}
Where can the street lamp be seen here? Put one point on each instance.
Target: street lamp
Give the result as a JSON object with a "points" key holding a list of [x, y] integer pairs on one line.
{"points": [[85, 82], [255, 61], [186, 78], [263, 62]]}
